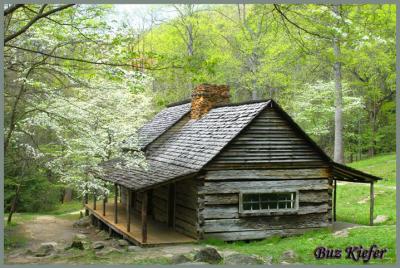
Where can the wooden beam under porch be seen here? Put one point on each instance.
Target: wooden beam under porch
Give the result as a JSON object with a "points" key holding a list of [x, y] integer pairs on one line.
{"points": [[157, 233]]}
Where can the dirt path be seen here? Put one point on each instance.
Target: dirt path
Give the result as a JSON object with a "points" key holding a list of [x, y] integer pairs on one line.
{"points": [[42, 229], [48, 228]]}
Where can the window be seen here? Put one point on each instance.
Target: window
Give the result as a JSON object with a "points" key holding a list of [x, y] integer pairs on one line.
{"points": [[267, 202]]}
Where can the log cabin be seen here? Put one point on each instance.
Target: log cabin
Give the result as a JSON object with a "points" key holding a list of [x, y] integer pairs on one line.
{"points": [[231, 171]]}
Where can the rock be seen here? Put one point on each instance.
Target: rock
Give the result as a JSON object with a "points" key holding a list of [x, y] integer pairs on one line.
{"points": [[341, 233], [78, 244], [226, 253], [98, 245], [234, 259], [267, 259], [29, 252], [381, 218], [208, 254], [102, 233], [123, 243], [46, 249], [83, 222], [80, 237], [177, 259], [134, 248], [107, 250], [288, 256]]}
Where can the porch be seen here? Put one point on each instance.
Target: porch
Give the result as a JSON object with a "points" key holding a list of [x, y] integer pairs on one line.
{"points": [[142, 233], [347, 174]]}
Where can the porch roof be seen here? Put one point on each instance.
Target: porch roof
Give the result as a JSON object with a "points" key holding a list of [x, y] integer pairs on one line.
{"points": [[345, 173], [136, 178]]}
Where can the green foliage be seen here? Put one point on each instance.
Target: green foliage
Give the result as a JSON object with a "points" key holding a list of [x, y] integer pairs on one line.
{"points": [[260, 55], [37, 194], [67, 208]]}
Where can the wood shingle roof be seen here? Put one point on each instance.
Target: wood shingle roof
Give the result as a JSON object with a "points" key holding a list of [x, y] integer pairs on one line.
{"points": [[161, 123], [187, 150]]}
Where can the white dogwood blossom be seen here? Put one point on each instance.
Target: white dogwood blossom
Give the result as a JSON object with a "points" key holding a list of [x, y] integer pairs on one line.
{"points": [[91, 122]]}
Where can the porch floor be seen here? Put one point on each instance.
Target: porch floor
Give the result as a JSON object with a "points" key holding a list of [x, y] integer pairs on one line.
{"points": [[157, 233]]}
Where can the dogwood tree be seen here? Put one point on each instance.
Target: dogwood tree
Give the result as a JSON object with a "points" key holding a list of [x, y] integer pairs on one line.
{"points": [[70, 100], [87, 124]]}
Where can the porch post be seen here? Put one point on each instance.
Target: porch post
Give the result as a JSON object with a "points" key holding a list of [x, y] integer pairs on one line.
{"points": [[128, 211], [94, 201], [144, 217], [116, 204], [334, 200], [104, 205], [371, 206]]}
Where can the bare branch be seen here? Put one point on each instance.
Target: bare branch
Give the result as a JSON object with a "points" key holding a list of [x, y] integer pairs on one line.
{"points": [[277, 8], [39, 16], [88, 61], [11, 9]]}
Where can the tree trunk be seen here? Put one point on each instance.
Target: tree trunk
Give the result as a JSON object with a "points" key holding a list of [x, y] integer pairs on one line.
{"points": [[13, 204], [254, 94], [67, 195], [338, 155], [371, 150]]}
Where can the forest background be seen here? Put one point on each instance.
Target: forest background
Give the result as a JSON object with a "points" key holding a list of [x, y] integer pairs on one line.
{"points": [[81, 79]]}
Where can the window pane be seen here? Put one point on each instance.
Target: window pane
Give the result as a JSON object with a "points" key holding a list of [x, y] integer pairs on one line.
{"points": [[264, 205], [255, 206], [246, 206], [273, 205], [250, 197], [268, 201], [283, 205]]}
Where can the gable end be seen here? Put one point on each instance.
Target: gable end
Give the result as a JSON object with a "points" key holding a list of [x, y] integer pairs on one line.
{"points": [[271, 140]]}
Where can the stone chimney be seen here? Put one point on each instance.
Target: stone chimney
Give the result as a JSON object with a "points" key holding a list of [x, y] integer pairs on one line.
{"points": [[206, 96]]}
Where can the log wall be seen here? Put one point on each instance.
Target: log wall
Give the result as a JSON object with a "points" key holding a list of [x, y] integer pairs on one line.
{"points": [[218, 203], [186, 207], [268, 142], [186, 211], [160, 203]]}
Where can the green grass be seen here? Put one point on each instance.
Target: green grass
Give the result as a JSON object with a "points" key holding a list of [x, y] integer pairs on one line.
{"points": [[383, 166], [304, 245], [13, 238], [353, 203], [353, 198], [67, 208]]}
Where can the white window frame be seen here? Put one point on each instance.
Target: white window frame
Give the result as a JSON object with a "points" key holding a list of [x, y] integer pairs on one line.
{"points": [[278, 211]]}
